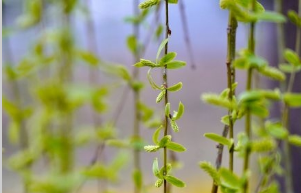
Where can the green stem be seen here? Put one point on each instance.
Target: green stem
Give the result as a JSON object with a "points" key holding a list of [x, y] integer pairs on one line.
{"points": [[166, 93]]}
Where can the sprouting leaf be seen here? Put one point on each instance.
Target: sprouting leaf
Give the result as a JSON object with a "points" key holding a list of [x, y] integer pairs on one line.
{"points": [[217, 100], [175, 87], [159, 183], [270, 17], [143, 63], [156, 170], [132, 43], [174, 126], [288, 68], [151, 81], [164, 172], [292, 57], [167, 58], [160, 96], [217, 138], [272, 73], [294, 18], [175, 147], [180, 112], [137, 178], [295, 140], [259, 110], [229, 179], [174, 181], [156, 135], [207, 167], [276, 130], [250, 96], [292, 99], [175, 64], [148, 3], [163, 43], [225, 120], [271, 94], [151, 148], [164, 141], [167, 109]]}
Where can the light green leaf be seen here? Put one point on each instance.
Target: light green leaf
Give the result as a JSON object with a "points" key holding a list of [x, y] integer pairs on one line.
{"points": [[160, 96], [180, 112], [292, 57], [175, 87], [229, 179], [173, 1], [175, 64], [156, 135], [163, 43], [292, 99], [263, 145], [295, 140], [88, 57], [288, 68], [151, 81], [148, 3], [167, 58], [137, 178], [207, 167], [270, 17], [272, 73], [294, 18], [217, 100], [159, 183], [174, 126], [151, 148], [167, 109], [156, 170], [132, 44], [164, 141], [144, 63], [276, 130], [174, 181], [217, 138], [175, 147]]}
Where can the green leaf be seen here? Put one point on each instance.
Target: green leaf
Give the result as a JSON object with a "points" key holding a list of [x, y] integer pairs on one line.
{"points": [[271, 94], [250, 96], [156, 135], [180, 112], [160, 96], [167, 58], [174, 181], [225, 120], [217, 138], [288, 68], [294, 18], [163, 43], [151, 81], [88, 57], [164, 141], [258, 109], [151, 148], [167, 109], [156, 170], [175, 87], [175, 147], [117, 143], [132, 44], [159, 183], [217, 100], [272, 73], [292, 99], [263, 145], [174, 126], [270, 17], [295, 140], [276, 130], [137, 178], [292, 57], [168, 169], [229, 179], [148, 3], [207, 167], [175, 64]]}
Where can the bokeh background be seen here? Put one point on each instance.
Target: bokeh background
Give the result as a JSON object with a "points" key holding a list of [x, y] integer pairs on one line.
{"points": [[207, 25]]}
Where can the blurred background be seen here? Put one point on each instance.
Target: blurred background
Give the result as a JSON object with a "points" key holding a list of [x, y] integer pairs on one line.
{"points": [[207, 25]]}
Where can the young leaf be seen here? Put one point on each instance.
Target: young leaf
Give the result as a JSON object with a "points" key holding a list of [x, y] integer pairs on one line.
{"points": [[151, 148], [137, 178], [292, 57], [292, 99], [225, 120], [160, 96], [163, 43], [175, 87], [175, 147], [217, 100], [132, 44], [174, 181], [156, 135], [276, 130], [272, 73], [164, 141], [167, 109], [144, 63], [288, 68], [263, 145], [217, 138], [229, 179], [180, 112], [270, 17], [207, 167], [175, 64], [168, 169], [294, 18], [167, 58], [295, 140], [156, 170], [151, 81]]}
